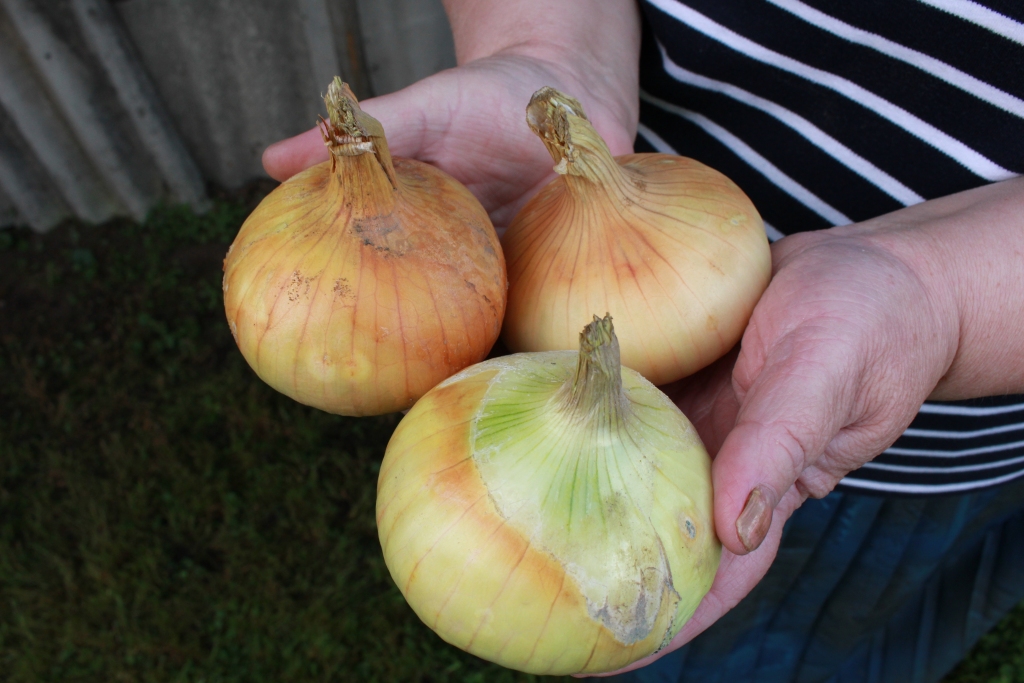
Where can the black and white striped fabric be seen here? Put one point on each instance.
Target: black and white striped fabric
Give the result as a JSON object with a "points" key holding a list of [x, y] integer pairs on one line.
{"points": [[828, 112]]}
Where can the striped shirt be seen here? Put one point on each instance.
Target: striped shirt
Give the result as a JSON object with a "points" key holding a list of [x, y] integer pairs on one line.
{"points": [[828, 112]]}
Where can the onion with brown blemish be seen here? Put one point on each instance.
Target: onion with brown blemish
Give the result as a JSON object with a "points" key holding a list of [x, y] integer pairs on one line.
{"points": [[360, 283], [550, 511], [673, 249]]}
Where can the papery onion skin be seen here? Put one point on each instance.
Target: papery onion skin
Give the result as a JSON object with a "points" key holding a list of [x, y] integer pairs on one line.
{"points": [[540, 550], [357, 285], [673, 249]]}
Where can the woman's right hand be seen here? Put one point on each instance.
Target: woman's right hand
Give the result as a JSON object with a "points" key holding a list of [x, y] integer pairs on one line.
{"points": [[470, 121]]}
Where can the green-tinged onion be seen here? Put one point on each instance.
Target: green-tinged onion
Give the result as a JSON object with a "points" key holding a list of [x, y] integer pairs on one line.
{"points": [[550, 511]]}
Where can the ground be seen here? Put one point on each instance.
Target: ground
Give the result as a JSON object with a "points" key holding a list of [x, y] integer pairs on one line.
{"points": [[165, 516]]}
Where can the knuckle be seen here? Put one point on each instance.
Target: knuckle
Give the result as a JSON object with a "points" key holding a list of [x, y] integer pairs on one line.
{"points": [[816, 483]]}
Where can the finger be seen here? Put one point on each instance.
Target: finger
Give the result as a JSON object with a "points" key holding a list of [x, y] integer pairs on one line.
{"points": [[284, 159], [708, 400], [400, 114], [408, 114], [801, 397]]}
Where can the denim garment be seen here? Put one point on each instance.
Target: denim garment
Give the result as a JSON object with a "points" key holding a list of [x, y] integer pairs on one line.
{"points": [[867, 589]]}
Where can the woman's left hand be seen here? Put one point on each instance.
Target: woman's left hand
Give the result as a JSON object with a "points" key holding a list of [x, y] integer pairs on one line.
{"points": [[859, 325]]}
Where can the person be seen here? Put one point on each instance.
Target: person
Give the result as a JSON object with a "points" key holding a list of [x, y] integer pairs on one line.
{"points": [[885, 140]]}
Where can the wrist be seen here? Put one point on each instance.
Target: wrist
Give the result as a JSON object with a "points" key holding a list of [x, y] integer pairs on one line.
{"points": [[924, 256], [965, 249], [591, 51], [542, 29], [927, 295], [981, 236]]}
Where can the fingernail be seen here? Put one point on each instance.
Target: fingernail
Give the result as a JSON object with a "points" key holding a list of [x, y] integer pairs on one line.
{"points": [[755, 520]]}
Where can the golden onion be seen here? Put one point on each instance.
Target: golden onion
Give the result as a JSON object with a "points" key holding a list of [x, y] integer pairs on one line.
{"points": [[673, 249], [360, 283], [551, 512]]}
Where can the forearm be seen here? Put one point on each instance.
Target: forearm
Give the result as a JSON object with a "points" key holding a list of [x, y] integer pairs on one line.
{"points": [[968, 249], [984, 245]]}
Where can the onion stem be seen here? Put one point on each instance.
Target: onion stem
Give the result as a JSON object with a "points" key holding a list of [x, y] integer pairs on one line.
{"points": [[350, 132], [596, 388], [572, 141]]}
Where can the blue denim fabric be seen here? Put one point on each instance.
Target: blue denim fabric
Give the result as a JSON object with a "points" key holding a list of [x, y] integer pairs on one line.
{"points": [[867, 589]]}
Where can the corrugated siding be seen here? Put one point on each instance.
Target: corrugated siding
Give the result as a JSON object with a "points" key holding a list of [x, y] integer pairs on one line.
{"points": [[109, 107]]}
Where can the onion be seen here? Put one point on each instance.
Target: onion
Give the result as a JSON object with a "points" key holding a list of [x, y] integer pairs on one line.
{"points": [[551, 512], [671, 248], [360, 283]]}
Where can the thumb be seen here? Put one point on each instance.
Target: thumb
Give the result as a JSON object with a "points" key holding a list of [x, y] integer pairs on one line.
{"points": [[287, 157], [400, 113], [797, 403]]}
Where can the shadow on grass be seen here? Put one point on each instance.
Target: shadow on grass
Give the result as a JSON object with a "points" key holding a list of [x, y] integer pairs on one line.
{"points": [[164, 515]]}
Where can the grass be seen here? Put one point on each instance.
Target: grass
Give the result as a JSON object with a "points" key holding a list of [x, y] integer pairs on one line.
{"points": [[165, 516], [998, 657]]}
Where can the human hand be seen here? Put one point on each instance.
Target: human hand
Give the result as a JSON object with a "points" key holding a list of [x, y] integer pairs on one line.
{"points": [[470, 121], [859, 325]]}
